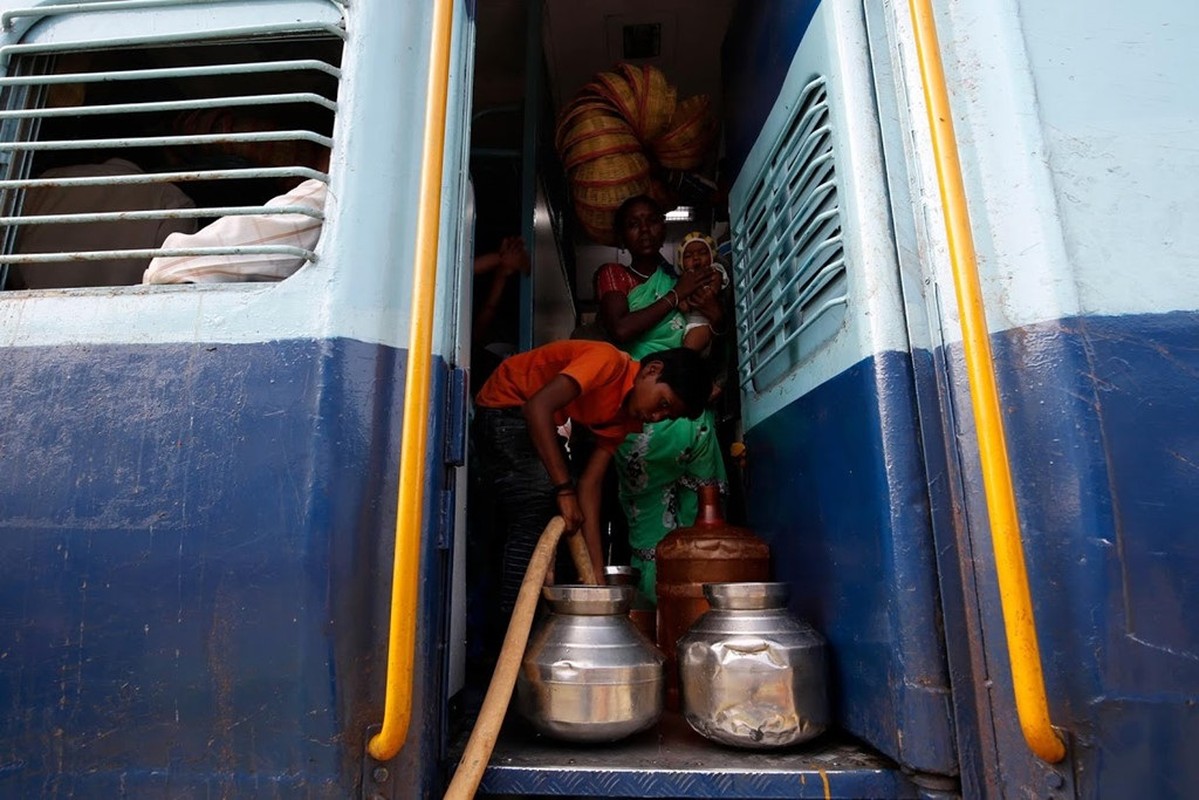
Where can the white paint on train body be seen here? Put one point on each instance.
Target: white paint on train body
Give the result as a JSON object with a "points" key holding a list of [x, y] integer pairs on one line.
{"points": [[1075, 146], [360, 286], [1079, 206]]}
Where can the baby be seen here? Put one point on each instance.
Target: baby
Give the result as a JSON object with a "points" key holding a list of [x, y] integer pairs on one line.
{"points": [[698, 251]]}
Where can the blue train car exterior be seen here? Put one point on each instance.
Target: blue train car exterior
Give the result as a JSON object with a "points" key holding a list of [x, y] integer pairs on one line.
{"points": [[865, 472], [197, 484], [197, 502]]}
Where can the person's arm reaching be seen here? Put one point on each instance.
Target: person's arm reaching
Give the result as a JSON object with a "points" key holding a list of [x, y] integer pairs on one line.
{"points": [[510, 259], [539, 415], [486, 314], [590, 495]]}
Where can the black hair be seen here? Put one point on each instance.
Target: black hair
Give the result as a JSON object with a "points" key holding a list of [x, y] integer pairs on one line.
{"points": [[686, 373], [623, 212]]}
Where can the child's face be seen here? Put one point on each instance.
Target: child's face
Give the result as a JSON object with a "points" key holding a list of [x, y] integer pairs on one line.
{"points": [[696, 255], [652, 401]]}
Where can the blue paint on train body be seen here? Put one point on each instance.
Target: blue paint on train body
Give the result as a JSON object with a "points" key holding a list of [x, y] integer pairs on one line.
{"points": [[839, 490], [195, 550], [1100, 422], [758, 50]]}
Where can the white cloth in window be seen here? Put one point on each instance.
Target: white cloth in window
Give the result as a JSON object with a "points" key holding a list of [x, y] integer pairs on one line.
{"points": [[295, 230]]}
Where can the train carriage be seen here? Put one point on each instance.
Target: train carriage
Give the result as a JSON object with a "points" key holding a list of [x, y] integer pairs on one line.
{"points": [[233, 514]]}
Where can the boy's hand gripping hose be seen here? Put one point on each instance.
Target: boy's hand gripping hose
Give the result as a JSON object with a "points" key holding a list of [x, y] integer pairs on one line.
{"points": [[503, 680]]}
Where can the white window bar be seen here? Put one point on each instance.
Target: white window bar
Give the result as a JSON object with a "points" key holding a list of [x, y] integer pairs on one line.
{"points": [[85, 7], [23, 113]]}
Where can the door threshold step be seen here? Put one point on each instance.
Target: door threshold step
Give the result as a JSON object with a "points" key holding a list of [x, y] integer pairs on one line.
{"points": [[672, 761]]}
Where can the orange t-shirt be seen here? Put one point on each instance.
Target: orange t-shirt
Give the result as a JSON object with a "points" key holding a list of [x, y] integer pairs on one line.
{"points": [[604, 375]]}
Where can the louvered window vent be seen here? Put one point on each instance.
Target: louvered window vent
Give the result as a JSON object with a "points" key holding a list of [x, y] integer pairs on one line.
{"points": [[108, 146], [791, 291]]}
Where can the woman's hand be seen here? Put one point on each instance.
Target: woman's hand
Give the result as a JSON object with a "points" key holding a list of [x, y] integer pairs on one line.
{"points": [[706, 301], [692, 280]]}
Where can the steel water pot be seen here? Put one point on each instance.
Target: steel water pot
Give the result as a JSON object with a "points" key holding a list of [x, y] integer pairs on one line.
{"points": [[752, 675], [588, 674], [641, 610], [709, 551]]}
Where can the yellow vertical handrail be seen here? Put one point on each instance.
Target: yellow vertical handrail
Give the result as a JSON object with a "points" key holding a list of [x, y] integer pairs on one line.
{"points": [[1028, 681], [401, 646]]}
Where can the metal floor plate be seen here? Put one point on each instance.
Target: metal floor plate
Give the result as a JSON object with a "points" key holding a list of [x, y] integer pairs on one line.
{"points": [[673, 761]]}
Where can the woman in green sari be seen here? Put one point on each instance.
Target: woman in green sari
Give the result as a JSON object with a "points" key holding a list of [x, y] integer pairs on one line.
{"points": [[659, 468]]}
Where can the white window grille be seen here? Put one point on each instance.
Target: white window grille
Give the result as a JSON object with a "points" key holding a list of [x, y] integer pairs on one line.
{"points": [[788, 249], [222, 120]]}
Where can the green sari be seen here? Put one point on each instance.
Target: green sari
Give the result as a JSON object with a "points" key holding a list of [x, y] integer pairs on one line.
{"points": [[668, 332], [660, 467]]}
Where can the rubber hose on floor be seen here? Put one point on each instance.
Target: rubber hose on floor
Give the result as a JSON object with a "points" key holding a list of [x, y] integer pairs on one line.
{"points": [[503, 680]]}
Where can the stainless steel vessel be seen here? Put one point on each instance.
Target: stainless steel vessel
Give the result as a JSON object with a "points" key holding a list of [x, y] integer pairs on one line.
{"points": [[588, 674], [618, 575], [752, 675], [641, 611]]}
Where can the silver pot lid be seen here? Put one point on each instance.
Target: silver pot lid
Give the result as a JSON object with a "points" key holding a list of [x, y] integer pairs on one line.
{"points": [[622, 575], [746, 596], [588, 600]]}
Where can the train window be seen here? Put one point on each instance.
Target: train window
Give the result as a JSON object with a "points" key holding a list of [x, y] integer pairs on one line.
{"points": [[110, 146], [790, 282]]}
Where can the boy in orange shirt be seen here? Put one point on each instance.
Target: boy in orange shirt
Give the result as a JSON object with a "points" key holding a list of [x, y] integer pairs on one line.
{"points": [[521, 457]]}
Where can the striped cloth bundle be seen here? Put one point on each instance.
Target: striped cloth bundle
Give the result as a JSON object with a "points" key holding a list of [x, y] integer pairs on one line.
{"points": [[617, 136]]}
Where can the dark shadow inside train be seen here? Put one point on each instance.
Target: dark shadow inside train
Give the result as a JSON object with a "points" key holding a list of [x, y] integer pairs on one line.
{"points": [[570, 51]]}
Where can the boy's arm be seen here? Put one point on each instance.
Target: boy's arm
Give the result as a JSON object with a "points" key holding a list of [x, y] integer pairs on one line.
{"points": [[539, 416], [591, 486]]}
